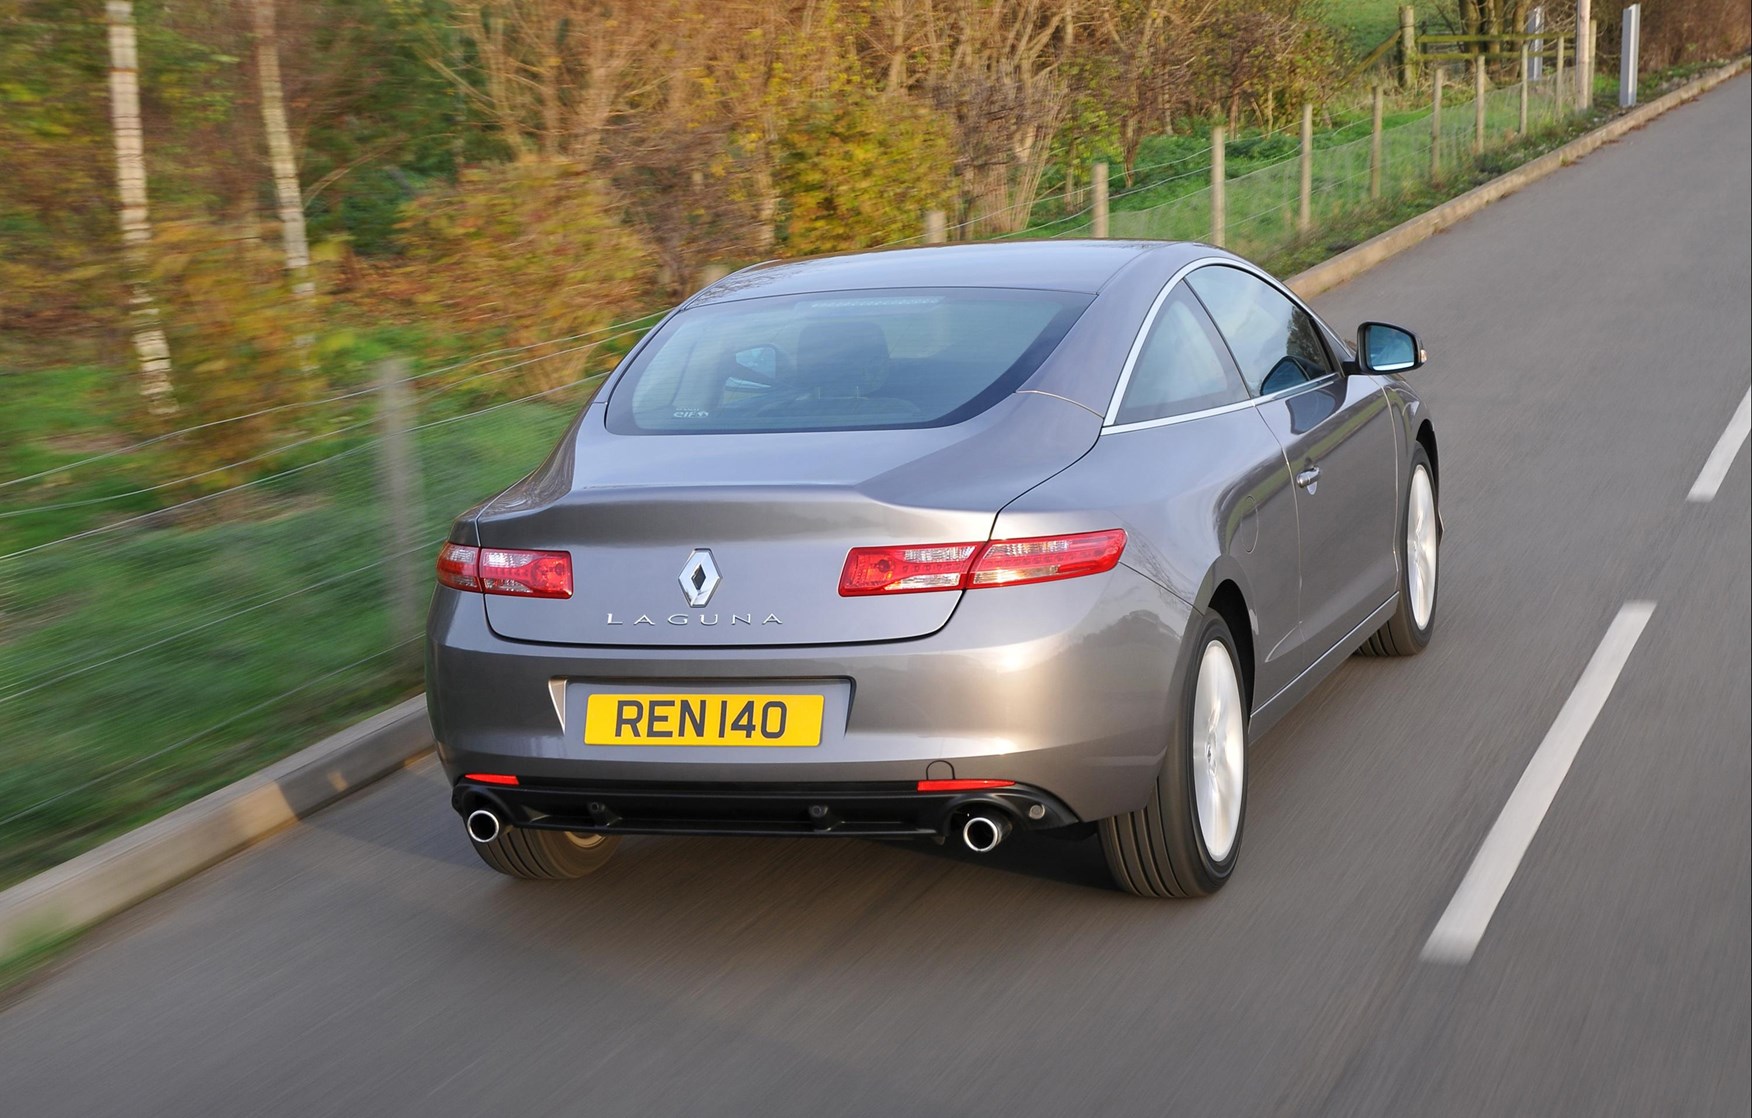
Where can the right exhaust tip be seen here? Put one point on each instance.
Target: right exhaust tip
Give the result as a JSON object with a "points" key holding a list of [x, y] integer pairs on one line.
{"points": [[984, 831], [483, 826]]}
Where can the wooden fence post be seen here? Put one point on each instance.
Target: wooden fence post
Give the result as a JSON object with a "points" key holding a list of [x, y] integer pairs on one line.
{"points": [[1436, 129], [1375, 148], [1584, 60], [1219, 219], [936, 227], [1071, 187], [1522, 130], [400, 496], [1585, 97], [1305, 212], [1557, 81], [1478, 105], [1098, 222], [1407, 47]]}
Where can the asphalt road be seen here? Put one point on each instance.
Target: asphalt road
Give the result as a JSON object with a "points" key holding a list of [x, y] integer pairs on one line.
{"points": [[1590, 338]]}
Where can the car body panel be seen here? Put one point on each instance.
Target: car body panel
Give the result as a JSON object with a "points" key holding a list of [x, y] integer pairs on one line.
{"points": [[778, 514], [1057, 685], [1341, 427]]}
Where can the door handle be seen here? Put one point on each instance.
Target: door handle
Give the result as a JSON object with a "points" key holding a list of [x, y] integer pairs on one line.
{"points": [[1308, 477]]}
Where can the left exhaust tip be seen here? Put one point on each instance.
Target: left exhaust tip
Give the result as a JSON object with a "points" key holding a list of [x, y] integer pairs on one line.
{"points": [[483, 826]]}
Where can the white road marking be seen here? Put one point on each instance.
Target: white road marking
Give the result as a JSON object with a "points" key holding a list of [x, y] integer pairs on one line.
{"points": [[1462, 925], [1727, 448]]}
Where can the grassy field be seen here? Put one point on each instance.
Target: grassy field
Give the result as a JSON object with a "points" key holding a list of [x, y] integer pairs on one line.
{"points": [[1362, 24], [145, 665]]}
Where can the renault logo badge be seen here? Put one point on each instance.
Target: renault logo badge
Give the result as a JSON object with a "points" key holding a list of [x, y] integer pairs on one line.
{"points": [[699, 578]]}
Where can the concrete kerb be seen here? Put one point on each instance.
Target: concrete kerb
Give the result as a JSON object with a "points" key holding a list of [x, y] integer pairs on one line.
{"points": [[127, 870], [1355, 261]]}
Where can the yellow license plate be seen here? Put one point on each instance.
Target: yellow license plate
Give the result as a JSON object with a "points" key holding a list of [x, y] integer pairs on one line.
{"points": [[670, 719]]}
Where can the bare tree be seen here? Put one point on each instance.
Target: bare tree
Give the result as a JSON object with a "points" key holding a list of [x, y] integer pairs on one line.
{"points": [[150, 345], [551, 74], [993, 66]]}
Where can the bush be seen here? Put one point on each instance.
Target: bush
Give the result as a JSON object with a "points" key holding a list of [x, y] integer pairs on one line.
{"points": [[862, 170], [529, 254], [1676, 31], [240, 342]]}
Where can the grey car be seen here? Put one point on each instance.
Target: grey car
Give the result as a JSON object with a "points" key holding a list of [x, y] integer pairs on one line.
{"points": [[937, 543]]}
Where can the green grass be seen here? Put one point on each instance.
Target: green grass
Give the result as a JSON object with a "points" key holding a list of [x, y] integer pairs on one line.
{"points": [[29, 957], [1361, 25], [1262, 181], [145, 666]]}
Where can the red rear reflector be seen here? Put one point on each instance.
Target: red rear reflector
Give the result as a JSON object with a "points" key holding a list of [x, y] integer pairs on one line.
{"points": [[1012, 562], [490, 778], [963, 785], [488, 570], [969, 566]]}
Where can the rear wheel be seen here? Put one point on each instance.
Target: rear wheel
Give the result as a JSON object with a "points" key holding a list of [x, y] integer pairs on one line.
{"points": [[539, 855], [1408, 631], [1185, 841]]}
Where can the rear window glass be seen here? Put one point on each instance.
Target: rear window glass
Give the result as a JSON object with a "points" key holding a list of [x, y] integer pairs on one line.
{"points": [[839, 360]]}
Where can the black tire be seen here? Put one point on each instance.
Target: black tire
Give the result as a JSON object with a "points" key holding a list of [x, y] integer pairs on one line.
{"points": [[1159, 851], [540, 855], [1402, 635]]}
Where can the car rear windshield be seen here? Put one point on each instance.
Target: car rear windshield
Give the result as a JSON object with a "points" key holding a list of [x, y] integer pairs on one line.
{"points": [[852, 360]]}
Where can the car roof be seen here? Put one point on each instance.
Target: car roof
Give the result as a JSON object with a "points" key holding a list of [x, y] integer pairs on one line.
{"points": [[1083, 266]]}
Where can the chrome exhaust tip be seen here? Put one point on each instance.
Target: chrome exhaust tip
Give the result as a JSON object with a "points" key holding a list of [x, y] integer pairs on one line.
{"points": [[483, 826], [983, 832]]}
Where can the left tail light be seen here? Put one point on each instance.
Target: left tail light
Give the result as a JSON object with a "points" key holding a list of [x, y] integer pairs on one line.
{"points": [[969, 566], [491, 570]]}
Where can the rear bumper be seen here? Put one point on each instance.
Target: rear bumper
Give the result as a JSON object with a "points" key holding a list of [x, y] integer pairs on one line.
{"points": [[878, 810], [1062, 687]]}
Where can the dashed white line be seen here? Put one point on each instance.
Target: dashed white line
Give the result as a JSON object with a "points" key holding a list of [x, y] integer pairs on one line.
{"points": [[1461, 927], [1727, 448]]}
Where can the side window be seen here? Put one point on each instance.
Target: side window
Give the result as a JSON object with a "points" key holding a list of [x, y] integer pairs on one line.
{"points": [[1181, 367], [1276, 343]]}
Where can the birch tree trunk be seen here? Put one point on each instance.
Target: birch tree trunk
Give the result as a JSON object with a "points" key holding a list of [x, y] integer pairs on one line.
{"points": [[150, 345], [280, 157]]}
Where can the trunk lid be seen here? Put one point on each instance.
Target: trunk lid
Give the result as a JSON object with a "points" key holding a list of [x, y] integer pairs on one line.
{"points": [[777, 514]]}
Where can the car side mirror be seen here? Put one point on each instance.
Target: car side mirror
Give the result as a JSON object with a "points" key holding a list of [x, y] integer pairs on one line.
{"points": [[1385, 348]]}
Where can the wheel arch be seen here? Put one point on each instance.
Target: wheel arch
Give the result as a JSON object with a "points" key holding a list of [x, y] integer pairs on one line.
{"points": [[1224, 594], [1426, 438]]}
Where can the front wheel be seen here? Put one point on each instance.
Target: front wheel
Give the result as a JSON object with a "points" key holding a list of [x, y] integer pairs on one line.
{"points": [[1407, 632], [542, 855], [1185, 841]]}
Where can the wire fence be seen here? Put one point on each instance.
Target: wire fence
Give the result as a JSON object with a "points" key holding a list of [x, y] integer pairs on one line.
{"points": [[158, 648], [1263, 207]]}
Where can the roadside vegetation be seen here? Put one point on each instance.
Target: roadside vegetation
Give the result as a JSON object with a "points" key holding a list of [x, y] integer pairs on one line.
{"points": [[187, 594]]}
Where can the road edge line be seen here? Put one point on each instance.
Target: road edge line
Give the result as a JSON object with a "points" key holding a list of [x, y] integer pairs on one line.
{"points": [[1353, 262], [142, 863], [130, 868]]}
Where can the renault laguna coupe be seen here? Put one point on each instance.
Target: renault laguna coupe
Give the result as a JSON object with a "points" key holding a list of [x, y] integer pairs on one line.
{"points": [[938, 543]]}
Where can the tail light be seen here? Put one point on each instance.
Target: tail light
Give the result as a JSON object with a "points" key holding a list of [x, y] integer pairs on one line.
{"points": [[906, 570], [967, 566], [491, 570]]}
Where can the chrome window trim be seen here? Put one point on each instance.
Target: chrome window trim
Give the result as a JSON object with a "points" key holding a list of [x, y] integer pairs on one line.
{"points": [[1168, 420], [1131, 357]]}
